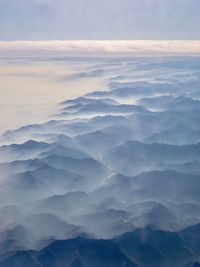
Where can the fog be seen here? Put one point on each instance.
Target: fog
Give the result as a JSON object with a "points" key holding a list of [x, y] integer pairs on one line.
{"points": [[114, 168], [30, 88]]}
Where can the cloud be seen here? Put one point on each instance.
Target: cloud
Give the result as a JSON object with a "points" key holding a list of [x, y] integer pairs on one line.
{"points": [[82, 75], [74, 48]]}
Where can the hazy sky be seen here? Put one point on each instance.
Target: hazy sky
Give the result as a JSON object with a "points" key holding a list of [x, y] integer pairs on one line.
{"points": [[99, 19]]}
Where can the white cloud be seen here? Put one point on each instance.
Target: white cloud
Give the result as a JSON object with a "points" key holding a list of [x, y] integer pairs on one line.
{"points": [[21, 48]]}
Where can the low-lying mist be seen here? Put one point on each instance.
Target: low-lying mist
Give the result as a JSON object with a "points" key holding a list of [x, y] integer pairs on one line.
{"points": [[112, 178]]}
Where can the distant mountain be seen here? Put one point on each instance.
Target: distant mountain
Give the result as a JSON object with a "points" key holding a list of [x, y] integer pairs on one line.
{"points": [[29, 149], [191, 234], [86, 100], [49, 227], [87, 167], [159, 216], [104, 139], [9, 215], [113, 180], [98, 221], [149, 247], [133, 157], [100, 107], [42, 182], [179, 134], [72, 203], [63, 151], [192, 167], [77, 252], [170, 102], [16, 239], [20, 166], [141, 247]]}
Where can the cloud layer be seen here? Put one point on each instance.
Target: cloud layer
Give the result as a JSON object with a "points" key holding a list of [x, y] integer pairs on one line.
{"points": [[140, 48]]}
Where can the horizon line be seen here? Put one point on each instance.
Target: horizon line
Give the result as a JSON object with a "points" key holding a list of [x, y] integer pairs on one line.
{"points": [[101, 47], [99, 40]]}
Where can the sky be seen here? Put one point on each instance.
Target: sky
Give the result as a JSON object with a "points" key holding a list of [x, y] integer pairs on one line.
{"points": [[99, 19]]}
